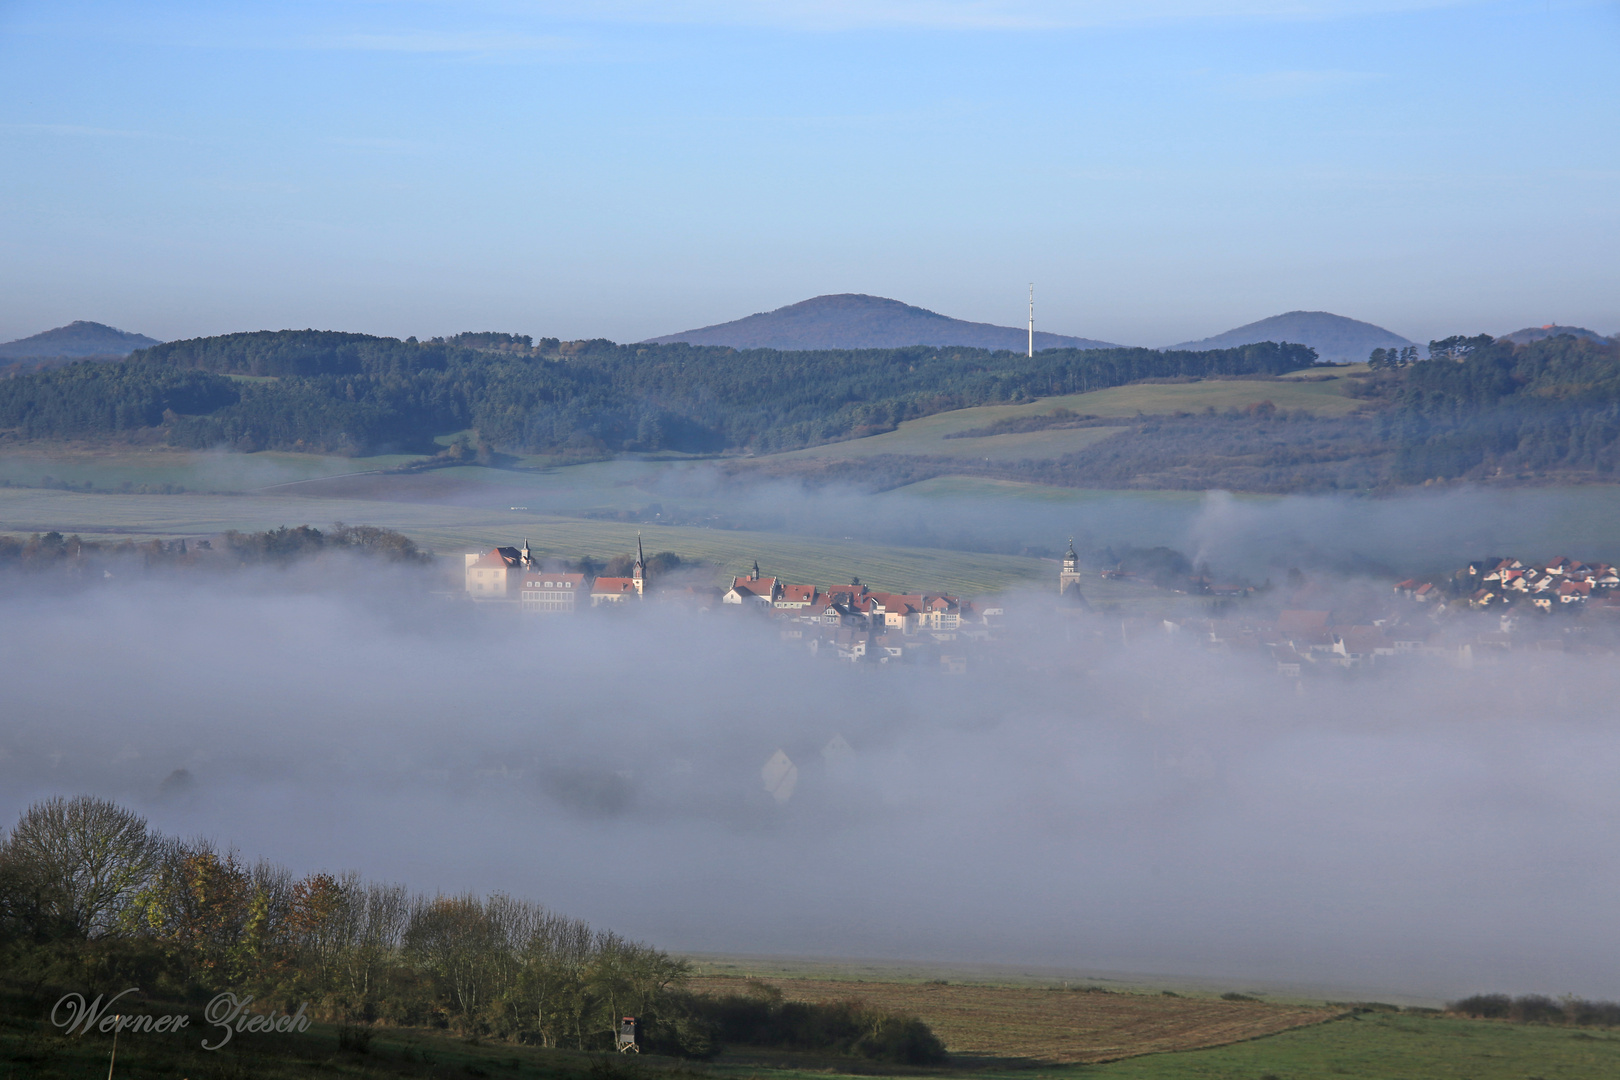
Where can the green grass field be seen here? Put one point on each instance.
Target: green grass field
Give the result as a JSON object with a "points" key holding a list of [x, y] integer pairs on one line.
{"points": [[108, 469], [450, 530], [927, 435], [1392, 1045]]}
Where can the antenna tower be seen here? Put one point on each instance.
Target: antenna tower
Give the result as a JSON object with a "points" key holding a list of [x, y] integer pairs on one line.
{"points": [[1032, 319]]}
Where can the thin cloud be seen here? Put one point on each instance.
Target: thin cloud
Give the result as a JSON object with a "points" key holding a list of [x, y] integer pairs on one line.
{"points": [[83, 130], [377, 143], [997, 14], [1286, 84], [473, 43]]}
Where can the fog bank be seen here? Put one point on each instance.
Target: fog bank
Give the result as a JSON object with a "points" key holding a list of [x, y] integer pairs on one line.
{"points": [[1067, 801]]}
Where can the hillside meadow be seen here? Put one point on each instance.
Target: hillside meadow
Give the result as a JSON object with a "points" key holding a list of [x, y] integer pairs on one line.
{"points": [[1320, 394]]}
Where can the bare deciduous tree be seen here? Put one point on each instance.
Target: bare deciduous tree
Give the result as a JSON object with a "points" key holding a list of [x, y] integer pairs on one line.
{"points": [[84, 858]]}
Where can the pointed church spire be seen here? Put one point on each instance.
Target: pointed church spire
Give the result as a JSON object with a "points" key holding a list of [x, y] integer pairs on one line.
{"points": [[755, 575], [638, 569]]}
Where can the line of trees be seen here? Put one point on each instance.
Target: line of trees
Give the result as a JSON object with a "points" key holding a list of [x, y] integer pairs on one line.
{"points": [[91, 896], [1539, 1009], [353, 393], [104, 560]]}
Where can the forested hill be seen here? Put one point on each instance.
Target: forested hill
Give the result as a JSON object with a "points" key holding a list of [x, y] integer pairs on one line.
{"points": [[76, 339], [354, 393]]}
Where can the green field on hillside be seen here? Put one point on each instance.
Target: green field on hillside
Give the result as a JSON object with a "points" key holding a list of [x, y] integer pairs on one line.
{"points": [[450, 529], [927, 435], [108, 469]]}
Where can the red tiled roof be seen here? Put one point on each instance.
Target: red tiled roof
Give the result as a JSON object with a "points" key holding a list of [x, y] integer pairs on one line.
{"points": [[499, 558], [1302, 620], [613, 585]]}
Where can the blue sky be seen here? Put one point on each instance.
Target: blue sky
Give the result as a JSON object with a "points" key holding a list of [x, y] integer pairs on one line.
{"points": [[1162, 170]]}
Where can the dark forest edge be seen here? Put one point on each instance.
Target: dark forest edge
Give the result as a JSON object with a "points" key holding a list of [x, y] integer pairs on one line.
{"points": [[92, 898], [1478, 410], [329, 392], [1475, 408], [230, 550]]}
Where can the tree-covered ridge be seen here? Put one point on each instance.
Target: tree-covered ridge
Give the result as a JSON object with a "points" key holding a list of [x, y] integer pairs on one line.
{"points": [[353, 393], [1482, 407]]}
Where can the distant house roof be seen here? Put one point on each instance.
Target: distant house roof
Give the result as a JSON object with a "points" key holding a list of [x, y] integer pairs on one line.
{"points": [[1300, 619], [553, 581], [613, 586]]}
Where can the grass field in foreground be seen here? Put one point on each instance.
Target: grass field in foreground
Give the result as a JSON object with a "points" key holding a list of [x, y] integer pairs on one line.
{"points": [[927, 435], [1392, 1045], [1371, 1045]]}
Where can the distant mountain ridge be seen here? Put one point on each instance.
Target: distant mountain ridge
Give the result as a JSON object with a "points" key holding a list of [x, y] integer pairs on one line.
{"points": [[1336, 339], [859, 321], [77, 339]]}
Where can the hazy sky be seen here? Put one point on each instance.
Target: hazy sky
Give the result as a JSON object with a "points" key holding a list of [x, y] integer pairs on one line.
{"points": [[1162, 169]]}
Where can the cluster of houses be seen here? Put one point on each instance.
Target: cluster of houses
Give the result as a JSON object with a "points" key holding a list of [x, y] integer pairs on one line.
{"points": [[1498, 583], [853, 622], [857, 623], [1303, 642]]}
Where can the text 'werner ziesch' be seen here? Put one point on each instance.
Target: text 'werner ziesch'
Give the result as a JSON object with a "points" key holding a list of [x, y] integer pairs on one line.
{"points": [[226, 1011]]}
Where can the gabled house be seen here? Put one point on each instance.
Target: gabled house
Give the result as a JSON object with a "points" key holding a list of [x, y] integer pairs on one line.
{"points": [[495, 574], [1573, 592], [796, 597], [613, 590], [753, 589]]}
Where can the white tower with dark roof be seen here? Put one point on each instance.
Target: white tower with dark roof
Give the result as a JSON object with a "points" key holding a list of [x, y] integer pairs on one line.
{"points": [[1069, 576]]}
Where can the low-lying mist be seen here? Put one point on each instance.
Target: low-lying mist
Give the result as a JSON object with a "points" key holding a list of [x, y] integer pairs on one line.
{"points": [[1068, 801]]}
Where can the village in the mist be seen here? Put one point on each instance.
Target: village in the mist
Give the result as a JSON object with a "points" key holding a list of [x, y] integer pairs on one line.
{"points": [[1086, 773], [718, 540]]}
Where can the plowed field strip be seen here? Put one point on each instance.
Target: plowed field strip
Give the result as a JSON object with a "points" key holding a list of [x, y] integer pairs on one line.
{"points": [[1053, 1025]]}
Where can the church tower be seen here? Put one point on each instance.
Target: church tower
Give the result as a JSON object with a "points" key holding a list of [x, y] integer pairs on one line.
{"points": [[1069, 576], [638, 571]]}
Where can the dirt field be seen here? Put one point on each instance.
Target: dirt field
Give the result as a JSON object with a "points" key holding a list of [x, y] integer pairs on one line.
{"points": [[1055, 1026]]}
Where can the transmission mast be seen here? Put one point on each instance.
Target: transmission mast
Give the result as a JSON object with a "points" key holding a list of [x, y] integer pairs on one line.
{"points": [[1032, 319]]}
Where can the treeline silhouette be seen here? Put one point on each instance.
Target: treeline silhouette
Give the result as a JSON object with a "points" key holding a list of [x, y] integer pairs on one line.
{"points": [[91, 897], [1479, 406], [354, 393], [1539, 1009], [231, 549]]}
